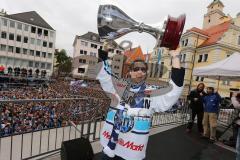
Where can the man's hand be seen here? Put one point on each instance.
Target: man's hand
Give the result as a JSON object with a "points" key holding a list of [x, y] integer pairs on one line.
{"points": [[109, 45]]}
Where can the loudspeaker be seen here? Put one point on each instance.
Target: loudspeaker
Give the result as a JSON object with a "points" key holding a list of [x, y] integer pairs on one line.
{"points": [[77, 149]]}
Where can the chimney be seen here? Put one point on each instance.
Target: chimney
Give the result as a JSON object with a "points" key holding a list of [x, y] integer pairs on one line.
{"points": [[3, 12]]}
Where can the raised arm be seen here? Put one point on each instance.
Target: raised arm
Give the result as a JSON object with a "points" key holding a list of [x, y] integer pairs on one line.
{"points": [[164, 102]]}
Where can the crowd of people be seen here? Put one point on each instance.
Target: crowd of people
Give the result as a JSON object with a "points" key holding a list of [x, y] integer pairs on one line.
{"points": [[56, 111]]}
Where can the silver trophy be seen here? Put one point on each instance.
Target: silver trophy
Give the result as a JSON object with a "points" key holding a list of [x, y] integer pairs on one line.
{"points": [[114, 23]]}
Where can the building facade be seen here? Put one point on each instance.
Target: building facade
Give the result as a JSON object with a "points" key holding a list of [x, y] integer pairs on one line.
{"points": [[85, 56], [218, 39], [27, 42]]}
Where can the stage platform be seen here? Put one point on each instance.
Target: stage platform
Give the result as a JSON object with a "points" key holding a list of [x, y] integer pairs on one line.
{"points": [[176, 144], [173, 143]]}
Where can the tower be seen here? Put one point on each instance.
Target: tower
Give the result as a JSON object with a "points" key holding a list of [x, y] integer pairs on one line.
{"points": [[214, 15]]}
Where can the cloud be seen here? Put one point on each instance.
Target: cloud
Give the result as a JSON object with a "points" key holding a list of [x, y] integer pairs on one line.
{"points": [[75, 17]]}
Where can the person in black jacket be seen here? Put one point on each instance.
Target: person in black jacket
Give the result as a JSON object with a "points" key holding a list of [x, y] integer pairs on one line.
{"points": [[196, 104]]}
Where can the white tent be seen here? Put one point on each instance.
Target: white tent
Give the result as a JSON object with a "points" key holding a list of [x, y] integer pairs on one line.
{"points": [[227, 69]]}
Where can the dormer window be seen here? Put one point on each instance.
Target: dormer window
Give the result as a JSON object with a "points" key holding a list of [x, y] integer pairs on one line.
{"points": [[94, 38]]}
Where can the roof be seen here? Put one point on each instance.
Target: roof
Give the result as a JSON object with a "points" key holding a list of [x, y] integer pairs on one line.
{"points": [[91, 36], [31, 17], [215, 33], [215, 2], [133, 54], [195, 29]]}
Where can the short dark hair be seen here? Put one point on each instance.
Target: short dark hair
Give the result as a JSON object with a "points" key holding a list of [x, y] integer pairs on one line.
{"points": [[138, 60], [211, 88]]}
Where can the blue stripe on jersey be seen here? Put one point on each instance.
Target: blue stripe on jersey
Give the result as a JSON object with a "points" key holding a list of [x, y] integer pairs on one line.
{"points": [[110, 115], [141, 125]]}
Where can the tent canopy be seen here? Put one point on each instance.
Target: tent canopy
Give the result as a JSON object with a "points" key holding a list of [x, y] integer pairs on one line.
{"points": [[228, 68]]}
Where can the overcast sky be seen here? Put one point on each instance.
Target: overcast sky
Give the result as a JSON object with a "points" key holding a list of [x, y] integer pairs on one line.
{"points": [[76, 17]]}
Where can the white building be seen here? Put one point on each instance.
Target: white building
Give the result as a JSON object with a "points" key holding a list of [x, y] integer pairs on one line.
{"points": [[26, 41], [85, 52]]}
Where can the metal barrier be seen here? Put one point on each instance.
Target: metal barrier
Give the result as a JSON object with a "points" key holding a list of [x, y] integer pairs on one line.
{"points": [[42, 142]]}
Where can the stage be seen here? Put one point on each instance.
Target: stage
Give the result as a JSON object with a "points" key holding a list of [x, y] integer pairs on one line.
{"points": [[176, 144]]}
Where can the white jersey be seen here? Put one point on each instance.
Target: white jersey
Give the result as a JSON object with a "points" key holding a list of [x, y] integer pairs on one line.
{"points": [[132, 141]]}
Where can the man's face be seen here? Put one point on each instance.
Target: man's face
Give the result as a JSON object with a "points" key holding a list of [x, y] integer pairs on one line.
{"points": [[138, 72], [200, 88], [209, 91]]}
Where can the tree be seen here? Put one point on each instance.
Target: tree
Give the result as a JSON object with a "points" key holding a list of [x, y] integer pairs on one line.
{"points": [[64, 63]]}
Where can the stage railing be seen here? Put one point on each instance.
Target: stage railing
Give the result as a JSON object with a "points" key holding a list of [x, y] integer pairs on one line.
{"points": [[30, 144]]}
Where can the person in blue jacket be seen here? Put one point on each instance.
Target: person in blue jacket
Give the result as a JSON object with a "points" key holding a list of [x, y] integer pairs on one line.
{"points": [[211, 108]]}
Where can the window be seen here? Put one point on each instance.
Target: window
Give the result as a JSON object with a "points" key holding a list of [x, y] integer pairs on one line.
{"points": [[39, 31], [30, 63], [49, 65], [32, 41], [83, 52], [93, 46], [183, 57], [182, 43], [19, 26], [205, 57], [3, 47], [92, 54], [82, 61], [38, 42], [91, 62], [43, 65], [37, 53], [18, 50], [200, 58], [202, 78], [11, 36], [186, 42], [45, 33], [226, 82], [12, 24], [26, 27], [116, 67], [228, 55], [33, 29], [209, 20], [4, 22], [25, 39], [4, 35], [44, 44], [44, 54], [50, 45], [25, 51], [83, 43], [81, 70], [10, 49], [32, 52], [197, 78], [36, 64], [19, 38], [51, 34], [238, 40], [49, 55]]}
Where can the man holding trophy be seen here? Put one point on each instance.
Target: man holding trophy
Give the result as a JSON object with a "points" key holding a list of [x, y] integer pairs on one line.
{"points": [[126, 129]]}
